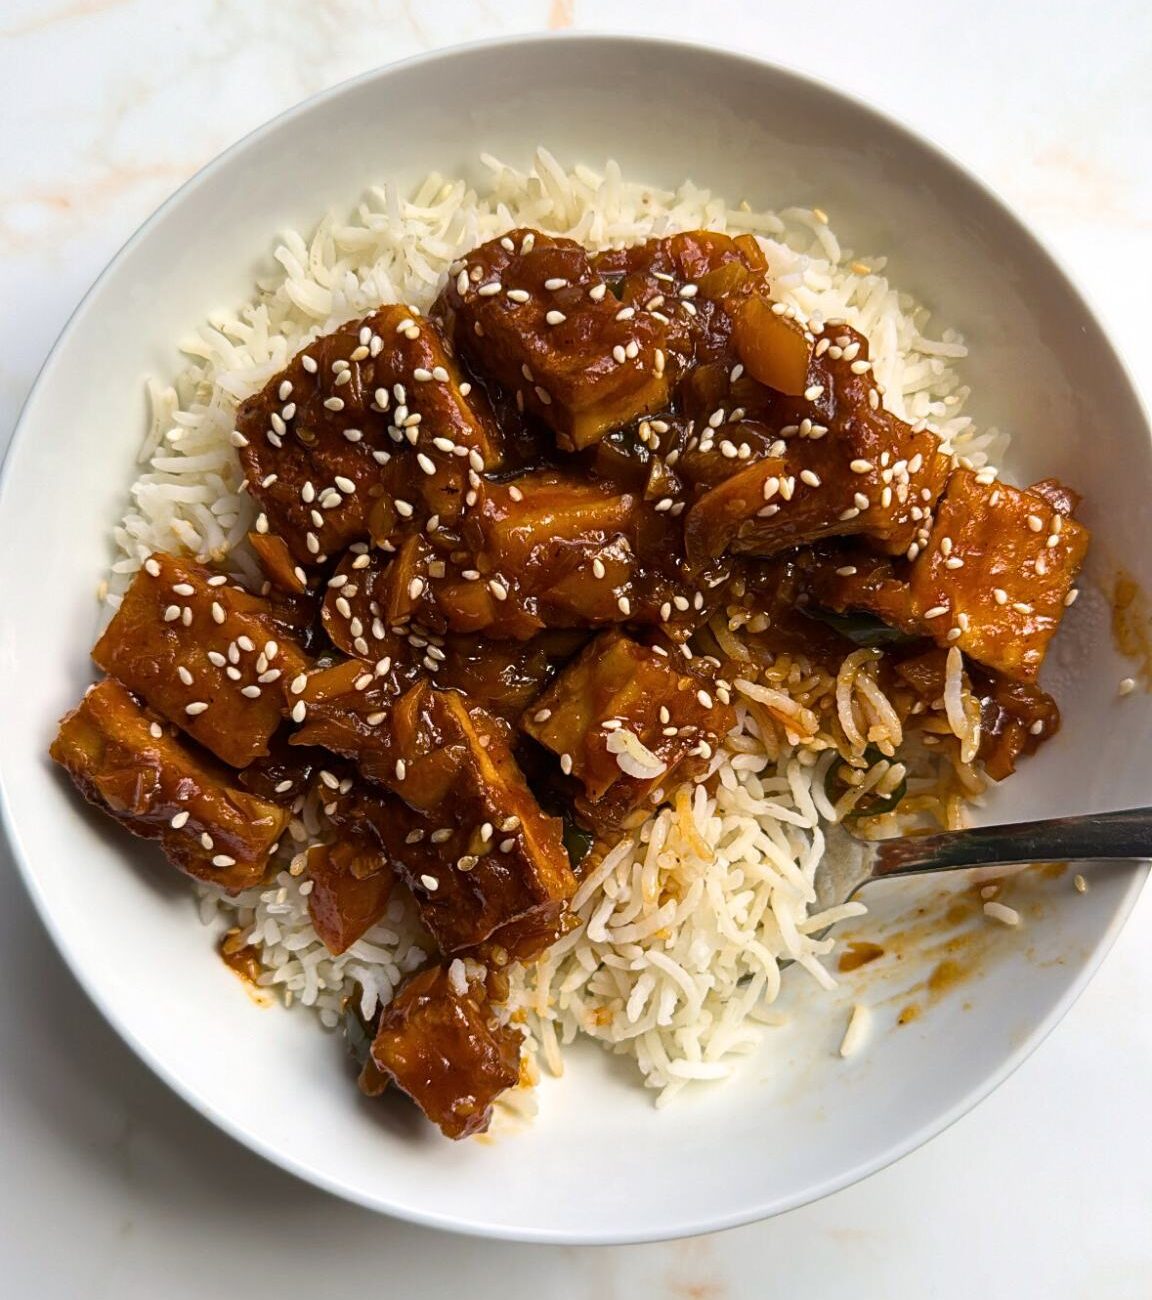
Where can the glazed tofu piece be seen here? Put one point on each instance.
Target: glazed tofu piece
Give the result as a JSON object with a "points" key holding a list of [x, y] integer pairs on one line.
{"points": [[126, 761], [996, 572], [438, 1040], [366, 430], [351, 885], [345, 708], [711, 292], [549, 550], [487, 854], [840, 466], [625, 722], [531, 312], [206, 654]]}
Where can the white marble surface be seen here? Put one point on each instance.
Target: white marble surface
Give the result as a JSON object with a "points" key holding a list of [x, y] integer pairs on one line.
{"points": [[110, 1186]]}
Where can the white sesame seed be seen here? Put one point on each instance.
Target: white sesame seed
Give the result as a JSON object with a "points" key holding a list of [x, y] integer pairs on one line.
{"points": [[179, 819], [597, 292], [223, 860], [195, 708], [490, 290], [704, 698], [401, 769], [1127, 686], [430, 882], [299, 711], [619, 355], [566, 764], [555, 317], [624, 605], [498, 589]]}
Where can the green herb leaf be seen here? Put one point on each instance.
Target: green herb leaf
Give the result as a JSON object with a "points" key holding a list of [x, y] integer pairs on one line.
{"points": [[864, 630]]}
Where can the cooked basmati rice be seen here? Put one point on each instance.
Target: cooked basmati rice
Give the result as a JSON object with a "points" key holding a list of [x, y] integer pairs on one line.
{"points": [[685, 924]]}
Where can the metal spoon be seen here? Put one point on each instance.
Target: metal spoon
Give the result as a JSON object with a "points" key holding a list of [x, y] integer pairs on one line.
{"points": [[849, 864]]}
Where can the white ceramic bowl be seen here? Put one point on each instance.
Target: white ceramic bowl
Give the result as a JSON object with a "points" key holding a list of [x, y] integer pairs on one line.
{"points": [[601, 1164]]}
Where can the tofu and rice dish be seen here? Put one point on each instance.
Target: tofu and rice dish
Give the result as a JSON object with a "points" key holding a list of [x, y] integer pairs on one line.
{"points": [[514, 591]]}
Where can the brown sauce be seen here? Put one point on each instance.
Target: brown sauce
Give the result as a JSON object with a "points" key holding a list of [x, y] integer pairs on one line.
{"points": [[1132, 625], [858, 953]]}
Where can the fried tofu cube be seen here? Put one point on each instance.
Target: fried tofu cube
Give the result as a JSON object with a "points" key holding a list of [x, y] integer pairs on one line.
{"points": [[530, 311], [487, 855], [206, 654], [996, 571], [625, 722], [439, 1041], [841, 466], [123, 759], [694, 283], [358, 435], [351, 885]]}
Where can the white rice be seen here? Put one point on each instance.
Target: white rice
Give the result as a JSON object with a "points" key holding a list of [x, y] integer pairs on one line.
{"points": [[685, 926]]}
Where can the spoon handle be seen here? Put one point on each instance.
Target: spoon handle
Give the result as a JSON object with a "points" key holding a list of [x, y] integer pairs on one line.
{"points": [[1124, 834]]}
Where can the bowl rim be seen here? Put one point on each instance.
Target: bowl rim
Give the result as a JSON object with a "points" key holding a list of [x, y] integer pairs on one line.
{"points": [[8, 823]]}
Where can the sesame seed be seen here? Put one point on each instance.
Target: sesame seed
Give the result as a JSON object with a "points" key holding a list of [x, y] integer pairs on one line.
{"points": [[498, 589], [555, 317], [401, 769], [597, 292], [334, 403], [1070, 599], [299, 711], [704, 698], [223, 860], [846, 571], [156, 731], [251, 692], [598, 567], [619, 355], [812, 392], [544, 395], [403, 509], [1127, 686], [430, 882], [179, 819], [542, 715], [936, 611], [626, 313], [624, 605], [1080, 883], [426, 463], [375, 719], [415, 588], [1036, 523], [506, 846], [810, 477], [490, 290], [566, 764], [195, 708], [519, 295], [555, 282], [172, 613], [184, 675]]}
